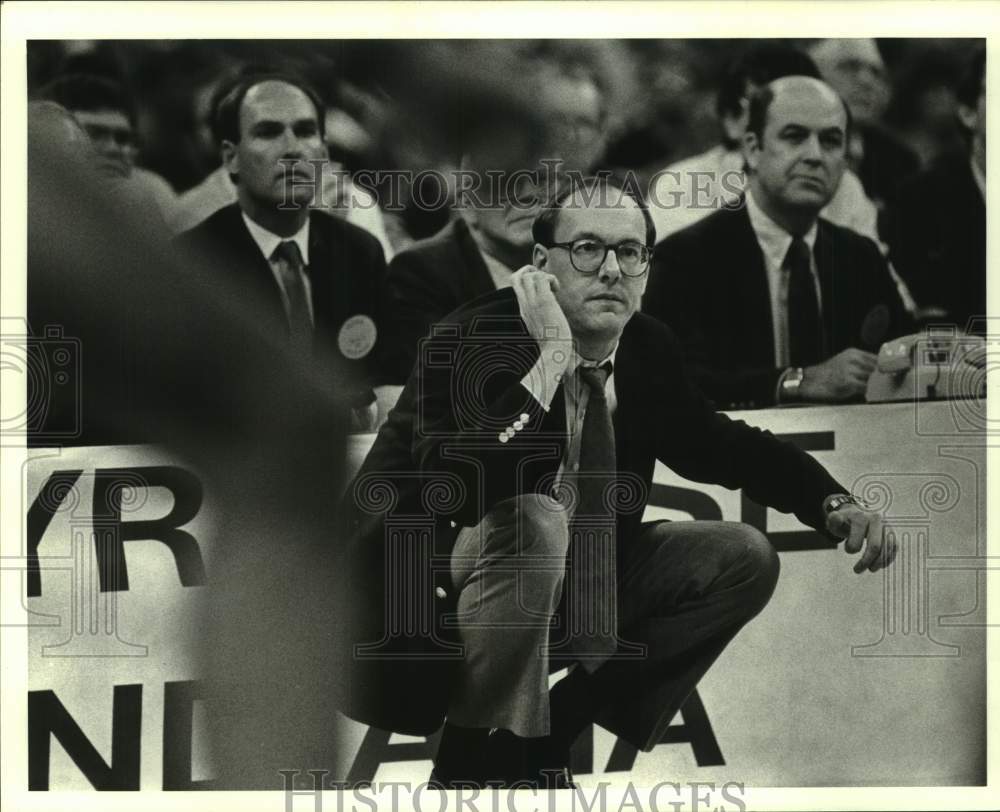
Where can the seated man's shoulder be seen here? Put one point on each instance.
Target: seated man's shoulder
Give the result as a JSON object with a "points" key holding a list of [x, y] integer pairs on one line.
{"points": [[342, 233], [848, 239], [493, 312], [444, 244], [212, 231], [702, 251]]}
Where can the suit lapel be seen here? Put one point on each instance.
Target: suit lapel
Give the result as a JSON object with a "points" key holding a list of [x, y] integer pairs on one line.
{"points": [[477, 281], [752, 289], [253, 269], [323, 278], [826, 261]]}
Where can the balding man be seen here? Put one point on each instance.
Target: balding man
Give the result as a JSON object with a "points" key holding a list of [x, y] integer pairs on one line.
{"points": [[854, 68], [317, 277], [495, 529], [773, 303], [691, 189]]}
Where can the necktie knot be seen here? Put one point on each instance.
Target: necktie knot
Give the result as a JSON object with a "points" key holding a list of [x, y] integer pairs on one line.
{"points": [[596, 378], [798, 255], [288, 250]]}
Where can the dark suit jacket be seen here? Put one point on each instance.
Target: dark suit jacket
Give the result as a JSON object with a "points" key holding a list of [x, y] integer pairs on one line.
{"points": [[937, 240], [708, 282], [886, 163], [346, 269], [424, 284], [438, 465]]}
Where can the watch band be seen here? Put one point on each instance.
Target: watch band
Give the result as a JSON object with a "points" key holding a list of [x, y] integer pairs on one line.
{"points": [[837, 500], [788, 386]]}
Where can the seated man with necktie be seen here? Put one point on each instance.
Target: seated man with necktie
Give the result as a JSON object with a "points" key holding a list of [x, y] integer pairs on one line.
{"points": [[494, 533], [773, 303], [309, 279]]}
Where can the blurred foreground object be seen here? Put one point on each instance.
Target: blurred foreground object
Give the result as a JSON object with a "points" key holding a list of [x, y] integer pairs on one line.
{"points": [[168, 357]]}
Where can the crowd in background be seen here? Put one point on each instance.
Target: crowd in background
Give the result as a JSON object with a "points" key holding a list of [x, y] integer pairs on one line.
{"points": [[638, 108], [658, 102]]}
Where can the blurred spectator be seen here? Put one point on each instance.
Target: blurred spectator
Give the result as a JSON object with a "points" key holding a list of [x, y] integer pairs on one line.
{"points": [[477, 253], [855, 69], [690, 190], [339, 197], [316, 277], [671, 115], [937, 227], [106, 114], [474, 255], [585, 88], [772, 302], [923, 112]]}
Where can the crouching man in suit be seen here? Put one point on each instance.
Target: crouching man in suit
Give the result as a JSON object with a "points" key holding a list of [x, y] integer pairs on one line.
{"points": [[495, 528]]}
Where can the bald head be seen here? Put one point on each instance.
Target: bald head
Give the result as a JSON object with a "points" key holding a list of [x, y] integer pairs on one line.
{"points": [[797, 92], [854, 68], [795, 149]]}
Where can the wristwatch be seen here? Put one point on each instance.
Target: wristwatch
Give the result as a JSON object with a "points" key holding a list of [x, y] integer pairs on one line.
{"points": [[837, 500], [791, 381]]}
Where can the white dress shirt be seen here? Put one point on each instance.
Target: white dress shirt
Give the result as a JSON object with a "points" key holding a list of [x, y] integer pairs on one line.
{"points": [[542, 384], [774, 242]]}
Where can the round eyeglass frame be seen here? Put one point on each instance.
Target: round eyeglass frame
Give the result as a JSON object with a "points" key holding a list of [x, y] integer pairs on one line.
{"points": [[568, 247]]}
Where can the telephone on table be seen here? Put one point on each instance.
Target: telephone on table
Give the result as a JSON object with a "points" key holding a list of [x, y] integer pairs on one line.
{"points": [[934, 364]]}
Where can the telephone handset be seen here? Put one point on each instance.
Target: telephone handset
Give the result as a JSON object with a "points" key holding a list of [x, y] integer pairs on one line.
{"points": [[934, 364]]}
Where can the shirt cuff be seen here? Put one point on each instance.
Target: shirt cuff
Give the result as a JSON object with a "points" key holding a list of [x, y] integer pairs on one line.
{"points": [[544, 378]]}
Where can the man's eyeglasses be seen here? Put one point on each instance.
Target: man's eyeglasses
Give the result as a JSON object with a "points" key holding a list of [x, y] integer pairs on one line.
{"points": [[587, 255]]}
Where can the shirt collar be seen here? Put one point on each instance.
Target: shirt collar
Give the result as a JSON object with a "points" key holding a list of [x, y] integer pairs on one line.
{"points": [[576, 360], [267, 241], [773, 239]]}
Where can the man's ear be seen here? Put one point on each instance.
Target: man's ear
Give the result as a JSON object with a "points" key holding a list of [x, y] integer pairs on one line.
{"points": [[230, 157], [735, 126], [539, 256], [751, 149]]}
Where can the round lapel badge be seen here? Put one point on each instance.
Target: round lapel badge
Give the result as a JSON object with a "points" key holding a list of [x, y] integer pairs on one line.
{"points": [[357, 337]]}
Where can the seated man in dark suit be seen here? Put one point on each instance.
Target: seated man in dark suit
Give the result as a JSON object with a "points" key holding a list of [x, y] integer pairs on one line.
{"points": [[773, 303], [475, 254], [937, 227], [854, 68], [491, 238], [506, 491], [317, 277]]}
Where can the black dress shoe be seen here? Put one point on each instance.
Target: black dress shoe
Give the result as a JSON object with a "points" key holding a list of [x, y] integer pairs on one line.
{"points": [[461, 759], [527, 763]]}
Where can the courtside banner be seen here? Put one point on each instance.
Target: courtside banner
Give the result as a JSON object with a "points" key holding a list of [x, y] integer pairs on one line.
{"points": [[844, 679]]}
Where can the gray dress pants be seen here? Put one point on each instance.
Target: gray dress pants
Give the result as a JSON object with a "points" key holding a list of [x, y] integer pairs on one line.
{"points": [[685, 589]]}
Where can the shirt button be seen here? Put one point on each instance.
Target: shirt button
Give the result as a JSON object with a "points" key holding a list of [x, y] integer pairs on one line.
{"points": [[453, 524], [439, 591]]}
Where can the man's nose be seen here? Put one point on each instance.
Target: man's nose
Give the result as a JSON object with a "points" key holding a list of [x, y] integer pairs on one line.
{"points": [[292, 147], [610, 271], [811, 150]]}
